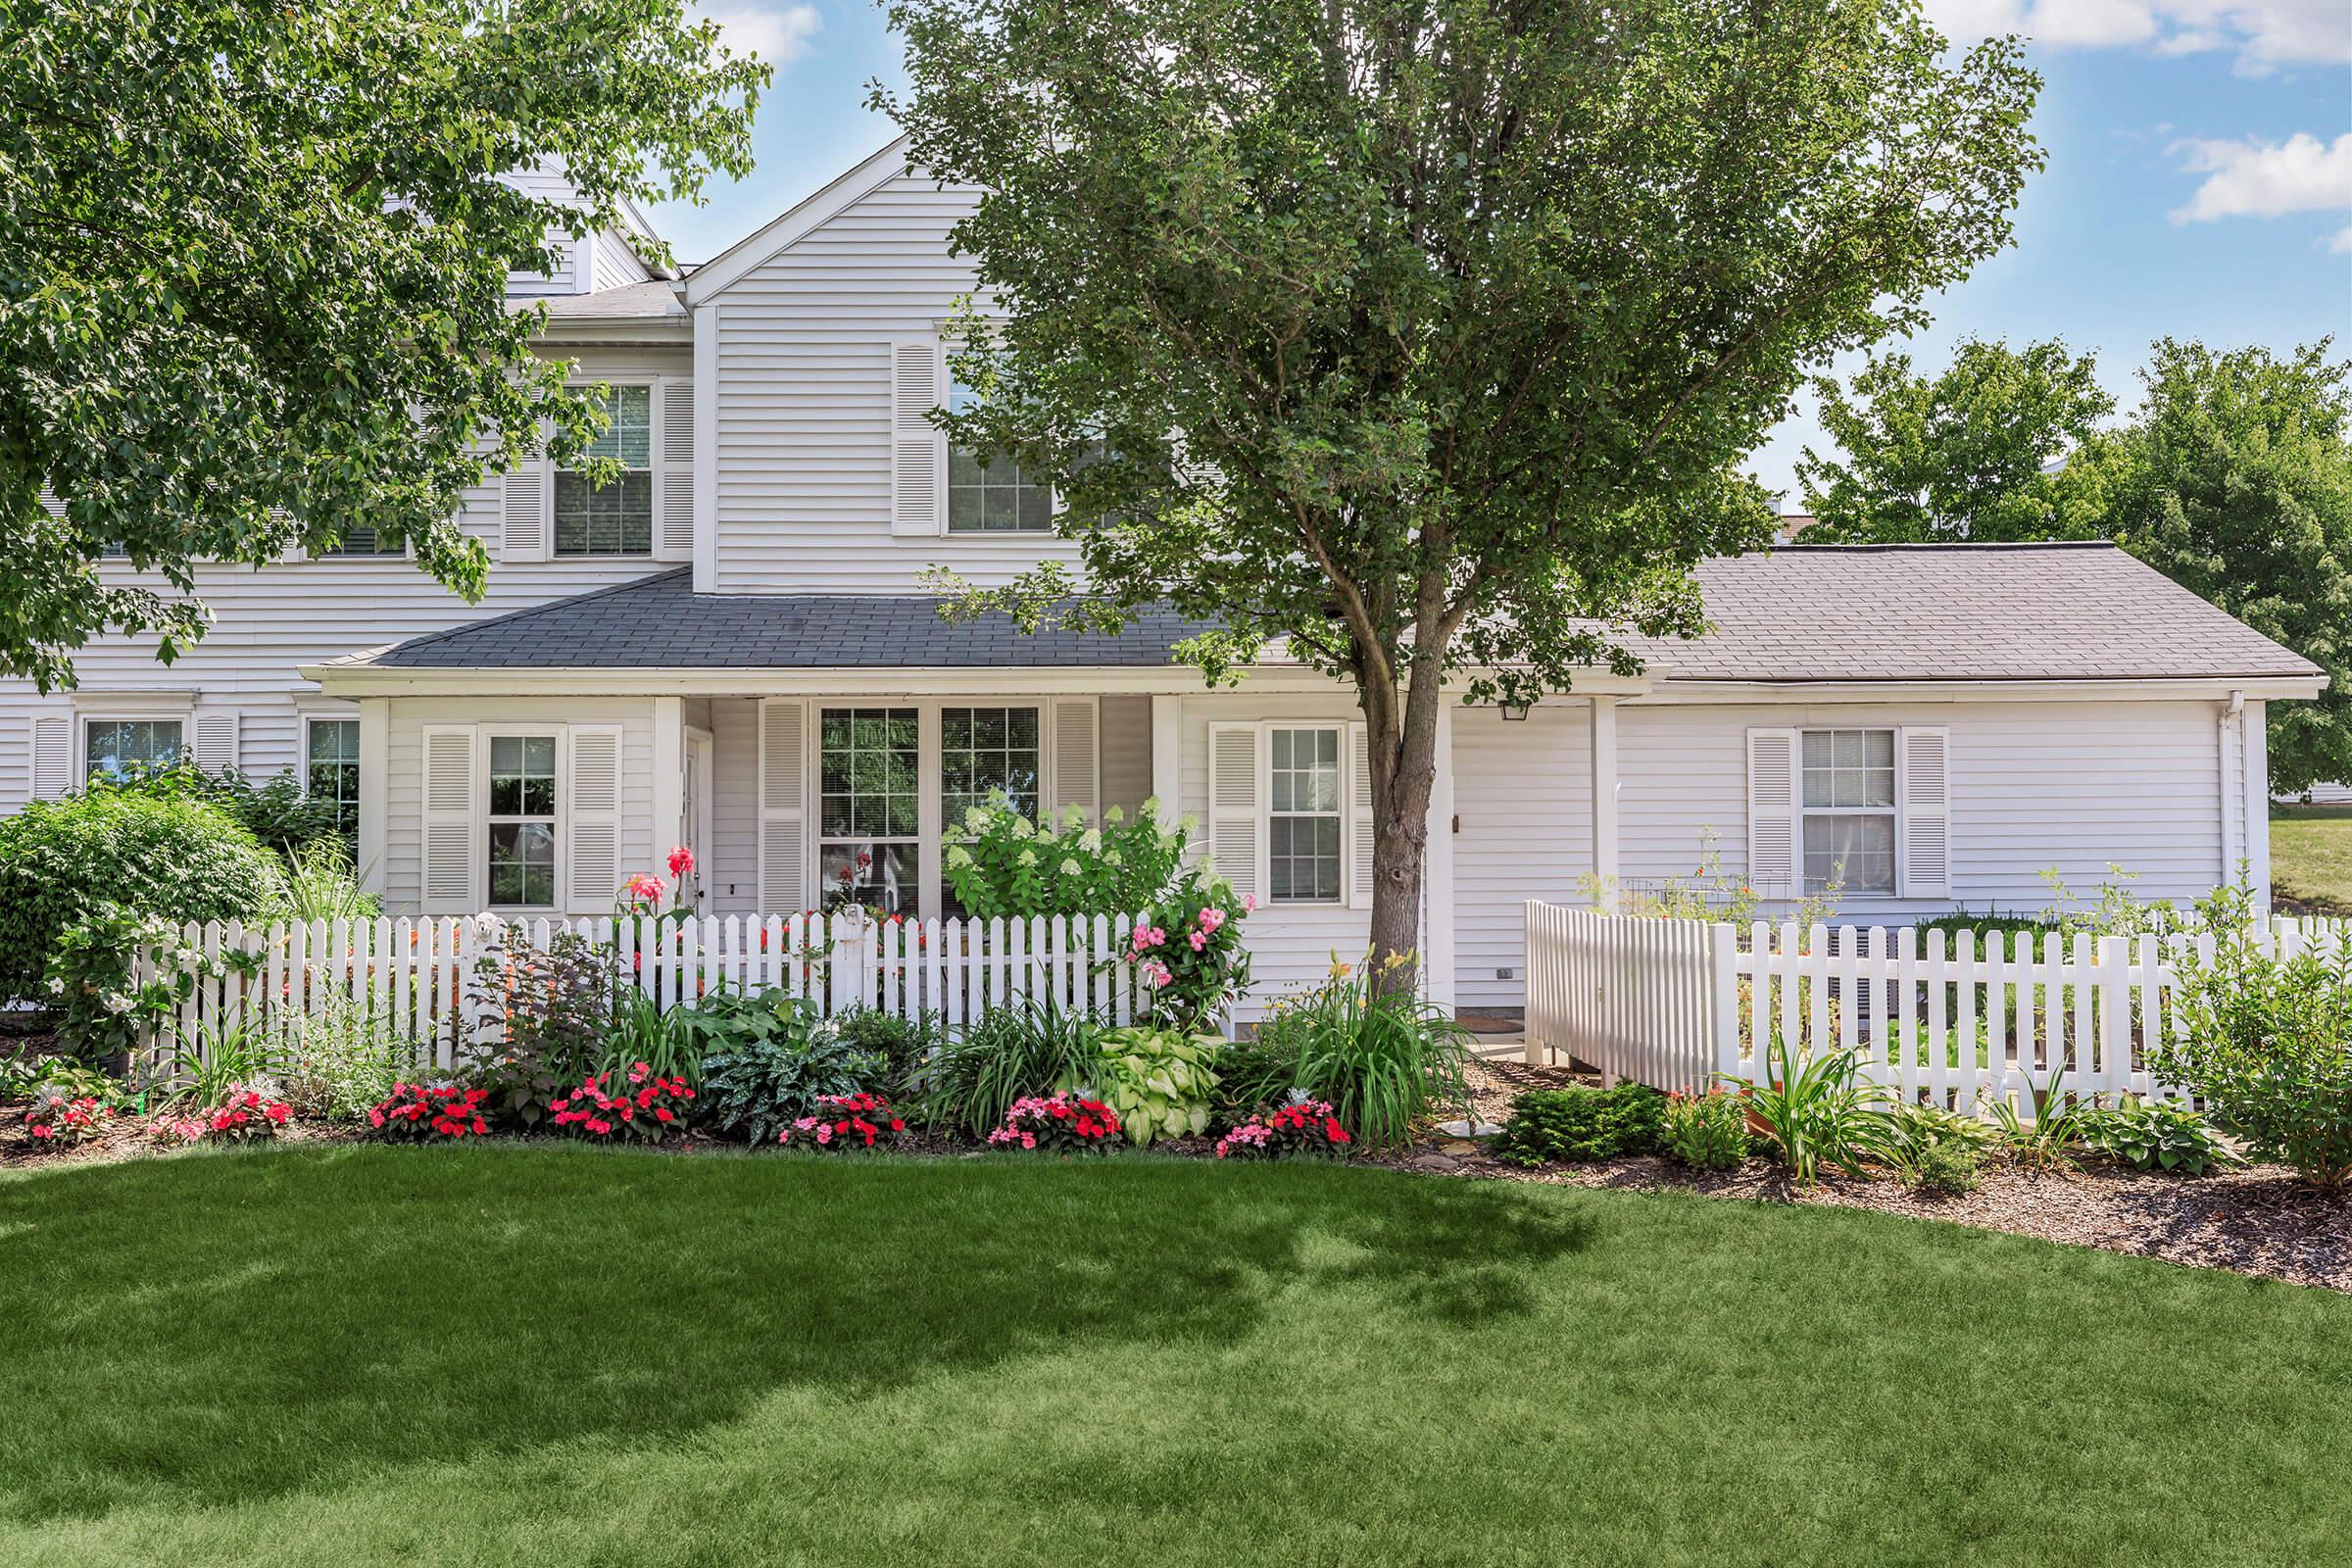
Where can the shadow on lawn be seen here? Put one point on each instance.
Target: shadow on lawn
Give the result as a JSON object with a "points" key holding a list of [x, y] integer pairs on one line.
{"points": [[238, 1326]]}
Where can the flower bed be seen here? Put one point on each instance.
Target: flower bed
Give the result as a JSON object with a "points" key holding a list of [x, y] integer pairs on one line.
{"points": [[1060, 1123], [844, 1122]]}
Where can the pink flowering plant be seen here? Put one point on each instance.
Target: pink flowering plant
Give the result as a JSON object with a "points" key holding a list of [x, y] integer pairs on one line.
{"points": [[56, 1118], [637, 1103], [648, 896], [1059, 1124], [244, 1112], [431, 1113], [1187, 951], [844, 1124], [1302, 1129]]}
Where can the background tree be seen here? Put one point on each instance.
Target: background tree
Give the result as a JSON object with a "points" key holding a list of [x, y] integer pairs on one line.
{"points": [[2235, 481], [1422, 334], [252, 261], [1965, 454]]}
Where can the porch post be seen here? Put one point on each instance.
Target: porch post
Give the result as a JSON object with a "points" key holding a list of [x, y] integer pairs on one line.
{"points": [[1167, 754], [1604, 799], [1437, 937], [375, 794], [668, 826]]}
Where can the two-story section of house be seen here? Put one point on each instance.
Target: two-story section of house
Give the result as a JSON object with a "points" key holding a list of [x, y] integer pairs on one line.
{"points": [[731, 648]]}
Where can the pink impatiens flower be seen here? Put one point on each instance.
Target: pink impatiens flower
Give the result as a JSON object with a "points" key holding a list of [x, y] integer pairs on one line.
{"points": [[1200, 940]]}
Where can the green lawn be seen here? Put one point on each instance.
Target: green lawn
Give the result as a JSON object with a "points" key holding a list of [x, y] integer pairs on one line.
{"points": [[2311, 856], [561, 1356]]}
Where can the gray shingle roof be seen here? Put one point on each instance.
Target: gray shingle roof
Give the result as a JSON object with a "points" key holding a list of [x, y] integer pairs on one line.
{"points": [[1924, 613], [627, 302], [660, 622], [1859, 613]]}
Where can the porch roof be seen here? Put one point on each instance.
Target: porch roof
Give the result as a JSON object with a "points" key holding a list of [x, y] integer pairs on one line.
{"points": [[660, 622]]}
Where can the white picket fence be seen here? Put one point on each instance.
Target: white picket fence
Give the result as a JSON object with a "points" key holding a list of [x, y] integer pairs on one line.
{"points": [[1980, 1016], [412, 979]]}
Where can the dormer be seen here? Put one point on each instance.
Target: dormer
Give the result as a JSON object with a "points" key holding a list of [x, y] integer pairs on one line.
{"points": [[611, 258]]}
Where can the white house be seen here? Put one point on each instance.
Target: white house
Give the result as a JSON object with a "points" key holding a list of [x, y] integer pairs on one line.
{"points": [[730, 648]]}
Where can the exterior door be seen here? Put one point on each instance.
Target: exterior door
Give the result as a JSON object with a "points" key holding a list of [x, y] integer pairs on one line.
{"points": [[697, 813]]}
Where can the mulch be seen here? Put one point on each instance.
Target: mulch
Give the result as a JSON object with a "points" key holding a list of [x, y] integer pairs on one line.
{"points": [[2256, 1221]]}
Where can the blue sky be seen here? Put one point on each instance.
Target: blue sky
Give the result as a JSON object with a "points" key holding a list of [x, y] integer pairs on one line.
{"points": [[2199, 180]]}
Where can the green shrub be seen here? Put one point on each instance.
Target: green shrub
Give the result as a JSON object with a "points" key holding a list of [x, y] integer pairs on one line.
{"points": [[2267, 1044], [901, 1045], [773, 1058], [1705, 1132], [320, 885], [1010, 1054], [1158, 1080], [275, 811], [1001, 864], [545, 1014], [1385, 1061], [1947, 1167], [343, 1060], [104, 1011], [664, 1042], [2155, 1135], [1546, 1126], [1815, 1110], [1186, 948], [21, 1077], [174, 859], [1254, 1074]]}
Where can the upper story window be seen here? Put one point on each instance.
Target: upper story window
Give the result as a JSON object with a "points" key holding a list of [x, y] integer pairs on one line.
{"points": [[618, 519], [363, 543], [992, 495], [1848, 810], [1303, 824], [113, 747]]}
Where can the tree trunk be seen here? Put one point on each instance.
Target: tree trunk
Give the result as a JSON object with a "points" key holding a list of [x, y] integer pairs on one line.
{"points": [[1402, 739]]}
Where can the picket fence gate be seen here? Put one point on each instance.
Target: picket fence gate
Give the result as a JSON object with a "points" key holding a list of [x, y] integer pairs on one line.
{"points": [[412, 980], [1991, 1017]]}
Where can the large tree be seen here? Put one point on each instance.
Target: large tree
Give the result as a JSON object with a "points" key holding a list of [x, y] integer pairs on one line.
{"points": [[252, 260], [2235, 481], [1979, 452], [1423, 334]]}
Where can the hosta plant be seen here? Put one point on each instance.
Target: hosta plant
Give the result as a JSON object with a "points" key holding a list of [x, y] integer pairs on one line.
{"points": [[424, 1112], [1705, 1132], [639, 1104], [1158, 1080], [1302, 1129], [56, 1118], [1059, 1124], [844, 1123], [772, 1059], [2156, 1135]]}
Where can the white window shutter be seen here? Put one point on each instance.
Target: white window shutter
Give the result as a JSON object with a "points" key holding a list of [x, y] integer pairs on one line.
{"points": [[455, 852], [1359, 817], [1926, 851], [591, 817], [674, 480], [1237, 815], [217, 739], [1076, 756], [52, 757], [524, 505], [783, 806], [919, 452], [1772, 851]]}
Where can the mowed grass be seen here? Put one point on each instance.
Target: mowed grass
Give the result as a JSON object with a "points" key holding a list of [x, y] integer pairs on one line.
{"points": [[2311, 856], [548, 1356]]}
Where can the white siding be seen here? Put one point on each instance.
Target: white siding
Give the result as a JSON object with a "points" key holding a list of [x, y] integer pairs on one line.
{"points": [[1126, 740], [734, 874], [617, 264], [1523, 794], [804, 426], [2075, 786], [404, 806]]}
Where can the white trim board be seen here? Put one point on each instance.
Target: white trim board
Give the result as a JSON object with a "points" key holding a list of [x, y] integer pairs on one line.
{"points": [[754, 250]]}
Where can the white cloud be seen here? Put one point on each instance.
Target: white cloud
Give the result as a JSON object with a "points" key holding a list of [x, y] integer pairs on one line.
{"points": [[2264, 179], [2265, 33], [2341, 245], [777, 35]]}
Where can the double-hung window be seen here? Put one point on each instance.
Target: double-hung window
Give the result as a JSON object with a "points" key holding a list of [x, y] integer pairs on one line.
{"points": [[522, 820], [1302, 823], [988, 757], [115, 747], [615, 519], [364, 544], [331, 768], [869, 792], [990, 494], [1848, 810]]}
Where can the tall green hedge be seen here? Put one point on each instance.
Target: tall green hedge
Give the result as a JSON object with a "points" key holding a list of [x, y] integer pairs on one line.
{"points": [[181, 859]]}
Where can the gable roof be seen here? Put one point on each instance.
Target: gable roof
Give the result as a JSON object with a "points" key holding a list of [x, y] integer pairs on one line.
{"points": [[1846, 613], [863, 178]]}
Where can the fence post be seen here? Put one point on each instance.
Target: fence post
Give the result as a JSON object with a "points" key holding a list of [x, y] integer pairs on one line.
{"points": [[1723, 958], [847, 932]]}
